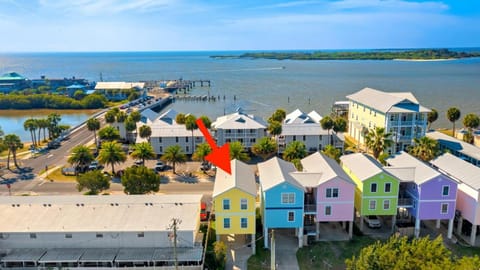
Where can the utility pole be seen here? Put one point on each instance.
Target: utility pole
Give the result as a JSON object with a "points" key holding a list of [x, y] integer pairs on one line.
{"points": [[272, 252], [175, 223]]}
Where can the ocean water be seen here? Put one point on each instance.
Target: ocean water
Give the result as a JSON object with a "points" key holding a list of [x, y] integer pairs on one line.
{"points": [[260, 86]]}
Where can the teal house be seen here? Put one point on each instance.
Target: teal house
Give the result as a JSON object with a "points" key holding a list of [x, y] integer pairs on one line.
{"points": [[282, 198], [376, 192]]}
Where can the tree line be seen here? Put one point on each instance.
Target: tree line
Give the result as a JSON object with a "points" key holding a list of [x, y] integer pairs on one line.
{"points": [[48, 101]]}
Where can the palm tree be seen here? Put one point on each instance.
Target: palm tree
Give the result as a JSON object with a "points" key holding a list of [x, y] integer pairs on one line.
{"points": [[43, 124], [274, 128], [174, 154], [130, 126], [80, 157], [143, 151], [180, 119], [471, 121], [93, 125], [110, 117], [265, 148], [237, 151], [339, 125], [121, 117], [453, 114], [332, 152], [201, 152], [295, 150], [279, 115], [31, 125], [378, 140], [432, 116], [109, 133], [424, 148], [111, 153], [13, 143], [327, 123], [53, 119], [135, 116], [190, 124], [145, 132]]}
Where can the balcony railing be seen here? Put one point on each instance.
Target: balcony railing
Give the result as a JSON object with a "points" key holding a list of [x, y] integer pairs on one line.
{"points": [[310, 208], [309, 230], [405, 202]]}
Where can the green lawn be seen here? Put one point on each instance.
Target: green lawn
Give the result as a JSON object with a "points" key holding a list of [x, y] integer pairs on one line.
{"points": [[331, 255]]}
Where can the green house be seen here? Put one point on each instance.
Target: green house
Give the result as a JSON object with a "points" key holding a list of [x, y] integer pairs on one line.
{"points": [[376, 191]]}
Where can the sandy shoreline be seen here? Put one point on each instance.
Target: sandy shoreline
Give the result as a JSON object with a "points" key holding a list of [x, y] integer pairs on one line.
{"points": [[425, 60]]}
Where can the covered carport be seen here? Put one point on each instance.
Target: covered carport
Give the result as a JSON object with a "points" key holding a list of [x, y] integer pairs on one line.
{"points": [[65, 257], [185, 256], [134, 257], [22, 258], [98, 257]]}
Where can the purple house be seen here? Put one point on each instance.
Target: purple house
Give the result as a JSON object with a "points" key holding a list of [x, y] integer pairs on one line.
{"points": [[329, 195], [425, 193]]}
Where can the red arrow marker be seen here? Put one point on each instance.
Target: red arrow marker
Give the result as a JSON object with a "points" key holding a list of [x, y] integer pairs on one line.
{"points": [[220, 156]]}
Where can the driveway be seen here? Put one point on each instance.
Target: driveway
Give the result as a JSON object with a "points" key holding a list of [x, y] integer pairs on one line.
{"points": [[286, 246], [238, 251]]}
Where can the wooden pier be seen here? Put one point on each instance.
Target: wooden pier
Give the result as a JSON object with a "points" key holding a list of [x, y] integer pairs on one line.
{"points": [[177, 85]]}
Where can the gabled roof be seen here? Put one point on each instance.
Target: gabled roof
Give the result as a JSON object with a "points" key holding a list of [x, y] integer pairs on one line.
{"points": [[309, 179], [299, 117], [148, 116], [316, 117], [76, 86], [276, 171], [164, 125], [239, 120], [300, 123], [455, 144], [387, 102], [168, 117], [242, 178], [361, 165], [459, 169], [421, 171], [319, 162]]}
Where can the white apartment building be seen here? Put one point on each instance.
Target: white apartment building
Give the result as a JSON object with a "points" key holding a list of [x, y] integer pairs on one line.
{"points": [[98, 231], [299, 126], [167, 132], [241, 127], [399, 113]]}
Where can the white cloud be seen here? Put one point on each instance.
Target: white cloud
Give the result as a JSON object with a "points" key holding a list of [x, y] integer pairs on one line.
{"points": [[99, 7], [394, 5]]}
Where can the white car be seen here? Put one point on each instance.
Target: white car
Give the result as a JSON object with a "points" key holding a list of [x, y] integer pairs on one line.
{"points": [[372, 221]]}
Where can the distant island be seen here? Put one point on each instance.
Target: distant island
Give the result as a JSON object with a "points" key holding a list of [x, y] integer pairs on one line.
{"points": [[420, 54]]}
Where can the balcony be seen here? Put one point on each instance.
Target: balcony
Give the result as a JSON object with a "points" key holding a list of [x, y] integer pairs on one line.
{"points": [[310, 209], [405, 202], [309, 230]]}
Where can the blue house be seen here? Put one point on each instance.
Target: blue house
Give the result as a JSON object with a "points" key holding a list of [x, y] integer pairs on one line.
{"points": [[282, 198]]}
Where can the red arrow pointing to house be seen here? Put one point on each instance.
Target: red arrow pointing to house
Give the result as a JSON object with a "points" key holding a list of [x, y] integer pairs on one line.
{"points": [[220, 156]]}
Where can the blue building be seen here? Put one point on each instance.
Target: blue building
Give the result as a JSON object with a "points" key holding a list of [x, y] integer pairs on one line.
{"points": [[282, 198]]}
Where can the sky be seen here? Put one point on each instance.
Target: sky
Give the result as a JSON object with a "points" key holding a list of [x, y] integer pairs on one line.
{"points": [[190, 25]]}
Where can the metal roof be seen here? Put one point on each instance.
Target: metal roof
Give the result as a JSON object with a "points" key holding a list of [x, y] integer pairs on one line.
{"points": [[319, 162], [459, 169], [239, 120], [387, 101], [183, 254], [422, 172], [242, 177], [119, 85], [124, 213], [135, 255], [276, 171], [24, 255], [12, 76], [455, 144], [62, 255], [303, 129], [99, 255], [361, 165]]}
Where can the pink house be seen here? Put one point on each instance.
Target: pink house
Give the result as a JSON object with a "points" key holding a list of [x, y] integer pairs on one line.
{"points": [[330, 192]]}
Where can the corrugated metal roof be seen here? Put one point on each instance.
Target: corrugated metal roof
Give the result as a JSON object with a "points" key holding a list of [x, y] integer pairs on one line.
{"points": [[422, 172], [319, 162], [458, 169], [242, 177], [97, 213], [239, 121], [276, 171], [385, 101], [455, 144], [361, 165]]}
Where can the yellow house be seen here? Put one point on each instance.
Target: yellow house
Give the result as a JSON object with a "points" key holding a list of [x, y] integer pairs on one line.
{"points": [[399, 113], [234, 201]]}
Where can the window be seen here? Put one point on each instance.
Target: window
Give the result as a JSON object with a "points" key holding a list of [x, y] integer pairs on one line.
{"points": [[226, 204], [176, 139], [243, 204], [444, 208], [186, 139], [388, 187], [140, 234], [386, 204], [160, 149], [304, 138], [187, 149], [252, 140], [99, 235], [243, 223], [445, 190], [288, 197], [328, 210], [294, 138], [252, 131], [226, 223], [228, 131], [374, 114], [332, 192], [159, 139], [373, 187], [373, 205], [291, 216], [33, 236], [68, 235]]}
